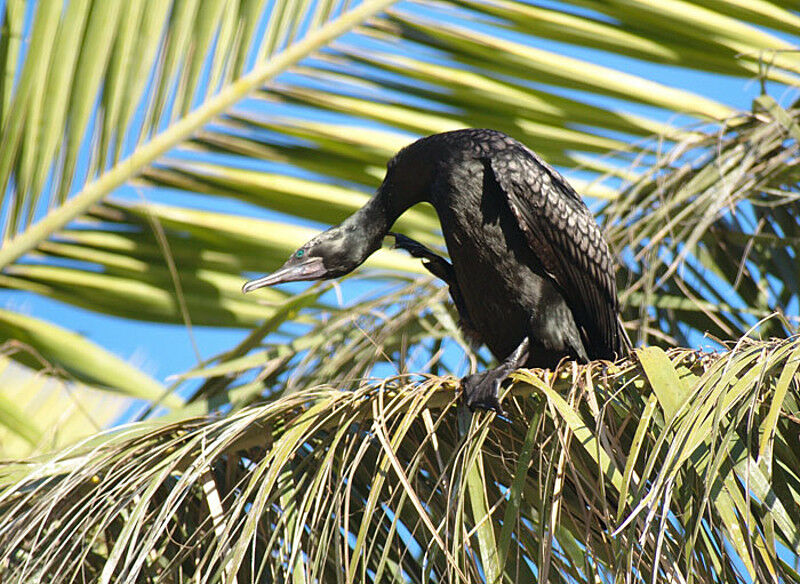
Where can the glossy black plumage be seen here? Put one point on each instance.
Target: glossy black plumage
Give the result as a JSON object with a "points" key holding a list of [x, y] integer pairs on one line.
{"points": [[531, 275]]}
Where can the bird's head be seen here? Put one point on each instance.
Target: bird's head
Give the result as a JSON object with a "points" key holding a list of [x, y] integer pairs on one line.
{"points": [[332, 253], [341, 249]]}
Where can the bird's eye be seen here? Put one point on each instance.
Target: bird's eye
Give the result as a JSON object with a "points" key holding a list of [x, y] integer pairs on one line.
{"points": [[299, 253]]}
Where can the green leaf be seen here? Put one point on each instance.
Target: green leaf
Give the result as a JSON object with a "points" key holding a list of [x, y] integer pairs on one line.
{"points": [[82, 358], [669, 388]]}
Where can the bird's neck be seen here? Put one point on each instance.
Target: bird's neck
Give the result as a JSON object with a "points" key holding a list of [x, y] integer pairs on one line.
{"points": [[366, 228]]}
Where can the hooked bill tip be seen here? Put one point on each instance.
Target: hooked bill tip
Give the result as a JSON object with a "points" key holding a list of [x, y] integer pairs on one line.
{"points": [[256, 284], [310, 269]]}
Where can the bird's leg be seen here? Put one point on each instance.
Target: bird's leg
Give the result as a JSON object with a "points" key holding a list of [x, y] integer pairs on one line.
{"points": [[481, 390]]}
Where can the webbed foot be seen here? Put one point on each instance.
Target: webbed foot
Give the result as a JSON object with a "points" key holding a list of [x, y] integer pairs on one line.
{"points": [[482, 390]]}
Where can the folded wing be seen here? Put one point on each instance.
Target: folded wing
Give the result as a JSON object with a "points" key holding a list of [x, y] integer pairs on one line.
{"points": [[567, 240]]}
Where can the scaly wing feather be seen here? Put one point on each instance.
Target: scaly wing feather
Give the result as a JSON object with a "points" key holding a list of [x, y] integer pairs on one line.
{"points": [[565, 236]]}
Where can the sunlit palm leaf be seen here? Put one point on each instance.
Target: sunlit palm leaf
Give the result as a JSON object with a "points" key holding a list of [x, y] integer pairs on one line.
{"points": [[78, 357], [41, 411], [128, 115], [160, 131], [678, 463], [400, 328], [103, 91], [100, 92]]}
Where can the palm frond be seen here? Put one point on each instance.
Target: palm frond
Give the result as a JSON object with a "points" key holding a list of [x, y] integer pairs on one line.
{"points": [[399, 329], [60, 349], [173, 76], [671, 466], [127, 67], [43, 410], [714, 227]]}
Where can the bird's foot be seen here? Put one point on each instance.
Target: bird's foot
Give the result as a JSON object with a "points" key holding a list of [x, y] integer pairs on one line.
{"points": [[434, 263], [413, 247], [482, 390]]}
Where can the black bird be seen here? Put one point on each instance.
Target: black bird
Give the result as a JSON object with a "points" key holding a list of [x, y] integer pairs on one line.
{"points": [[531, 275]]}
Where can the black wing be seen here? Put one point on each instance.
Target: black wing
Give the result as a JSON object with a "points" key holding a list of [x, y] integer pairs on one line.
{"points": [[566, 238]]}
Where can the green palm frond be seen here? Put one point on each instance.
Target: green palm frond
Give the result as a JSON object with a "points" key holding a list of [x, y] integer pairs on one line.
{"points": [[42, 410], [400, 328], [711, 232], [127, 68], [164, 74], [671, 466], [68, 351]]}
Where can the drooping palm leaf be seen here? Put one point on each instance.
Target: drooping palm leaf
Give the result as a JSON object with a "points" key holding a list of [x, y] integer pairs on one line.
{"points": [[42, 412], [721, 231], [675, 464], [144, 64]]}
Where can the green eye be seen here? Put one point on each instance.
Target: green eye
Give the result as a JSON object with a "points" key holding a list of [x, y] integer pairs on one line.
{"points": [[299, 253]]}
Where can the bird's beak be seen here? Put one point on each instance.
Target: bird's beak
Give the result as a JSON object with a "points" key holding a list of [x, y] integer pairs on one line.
{"points": [[310, 269]]}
